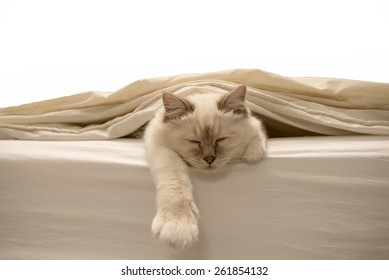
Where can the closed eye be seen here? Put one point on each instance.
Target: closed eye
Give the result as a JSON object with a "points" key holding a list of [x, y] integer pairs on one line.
{"points": [[194, 141], [220, 139]]}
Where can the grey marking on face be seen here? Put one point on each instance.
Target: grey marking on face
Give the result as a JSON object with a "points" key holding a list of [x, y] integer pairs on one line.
{"points": [[207, 146], [207, 134]]}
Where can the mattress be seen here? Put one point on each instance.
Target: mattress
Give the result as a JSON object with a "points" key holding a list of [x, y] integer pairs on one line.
{"points": [[324, 197]]}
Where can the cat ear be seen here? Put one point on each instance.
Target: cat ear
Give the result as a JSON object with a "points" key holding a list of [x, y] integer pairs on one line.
{"points": [[234, 101], [176, 106]]}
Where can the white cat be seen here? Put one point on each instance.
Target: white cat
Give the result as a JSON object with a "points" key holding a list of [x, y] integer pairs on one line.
{"points": [[204, 131]]}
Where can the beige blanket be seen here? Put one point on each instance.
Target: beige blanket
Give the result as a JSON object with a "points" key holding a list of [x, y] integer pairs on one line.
{"points": [[289, 106]]}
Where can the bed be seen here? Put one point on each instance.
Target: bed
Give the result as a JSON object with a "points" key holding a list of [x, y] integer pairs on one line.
{"points": [[321, 194], [311, 198]]}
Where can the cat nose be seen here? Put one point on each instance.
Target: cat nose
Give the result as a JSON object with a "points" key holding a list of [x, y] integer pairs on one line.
{"points": [[209, 159]]}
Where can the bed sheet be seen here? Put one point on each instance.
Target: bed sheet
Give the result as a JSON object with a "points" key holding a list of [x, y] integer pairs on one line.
{"points": [[311, 198], [324, 106]]}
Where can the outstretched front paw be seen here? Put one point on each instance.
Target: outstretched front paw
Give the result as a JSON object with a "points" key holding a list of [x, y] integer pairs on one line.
{"points": [[176, 225]]}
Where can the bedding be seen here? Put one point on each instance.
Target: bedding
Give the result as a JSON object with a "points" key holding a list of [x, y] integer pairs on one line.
{"points": [[311, 198], [322, 196], [314, 105]]}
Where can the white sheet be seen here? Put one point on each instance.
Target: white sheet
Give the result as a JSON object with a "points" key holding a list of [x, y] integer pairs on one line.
{"points": [[312, 198], [318, 105]]}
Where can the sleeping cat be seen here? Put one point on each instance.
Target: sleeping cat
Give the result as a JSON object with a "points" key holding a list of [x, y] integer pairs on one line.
{"points": [[204, 131]]}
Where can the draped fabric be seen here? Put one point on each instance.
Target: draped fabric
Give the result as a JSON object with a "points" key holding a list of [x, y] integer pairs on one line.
{"points": [[288, 105]]}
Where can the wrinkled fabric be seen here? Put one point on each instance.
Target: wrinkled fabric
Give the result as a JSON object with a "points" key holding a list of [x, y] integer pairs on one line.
{"points": [[315, 105]]}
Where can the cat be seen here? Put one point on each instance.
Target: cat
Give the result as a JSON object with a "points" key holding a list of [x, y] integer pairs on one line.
{"points": [[206, 131]]}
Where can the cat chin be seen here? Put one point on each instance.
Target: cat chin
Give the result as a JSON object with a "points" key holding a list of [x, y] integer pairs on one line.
{"points": [[216, 165], [211, 173], [208, 168]]}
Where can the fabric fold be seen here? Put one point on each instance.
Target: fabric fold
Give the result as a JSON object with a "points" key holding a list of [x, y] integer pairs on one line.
{"points": [[313, 105]]}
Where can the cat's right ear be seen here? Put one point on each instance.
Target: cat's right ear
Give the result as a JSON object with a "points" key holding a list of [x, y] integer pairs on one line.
{"points": [[234, 101], [175, 106]]}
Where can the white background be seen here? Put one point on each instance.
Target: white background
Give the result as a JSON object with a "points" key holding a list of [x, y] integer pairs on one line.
{"points": [[51, 48]]}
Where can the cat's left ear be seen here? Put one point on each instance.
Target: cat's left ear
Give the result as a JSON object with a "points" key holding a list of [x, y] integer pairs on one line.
{"points": [[175, 106], [234, 101]]}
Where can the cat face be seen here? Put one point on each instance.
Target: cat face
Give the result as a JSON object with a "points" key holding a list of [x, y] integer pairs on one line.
{"points": [[208, 131]]}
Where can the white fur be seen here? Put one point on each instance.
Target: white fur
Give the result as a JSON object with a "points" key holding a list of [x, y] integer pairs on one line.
{"points": [[170, 149]]}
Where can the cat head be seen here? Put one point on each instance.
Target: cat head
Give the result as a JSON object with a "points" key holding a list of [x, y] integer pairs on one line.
{"points": [[208, 130]]}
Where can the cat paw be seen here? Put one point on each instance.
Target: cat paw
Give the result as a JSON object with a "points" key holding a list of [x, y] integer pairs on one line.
{"points": [[177, 227], [255, 150]]}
